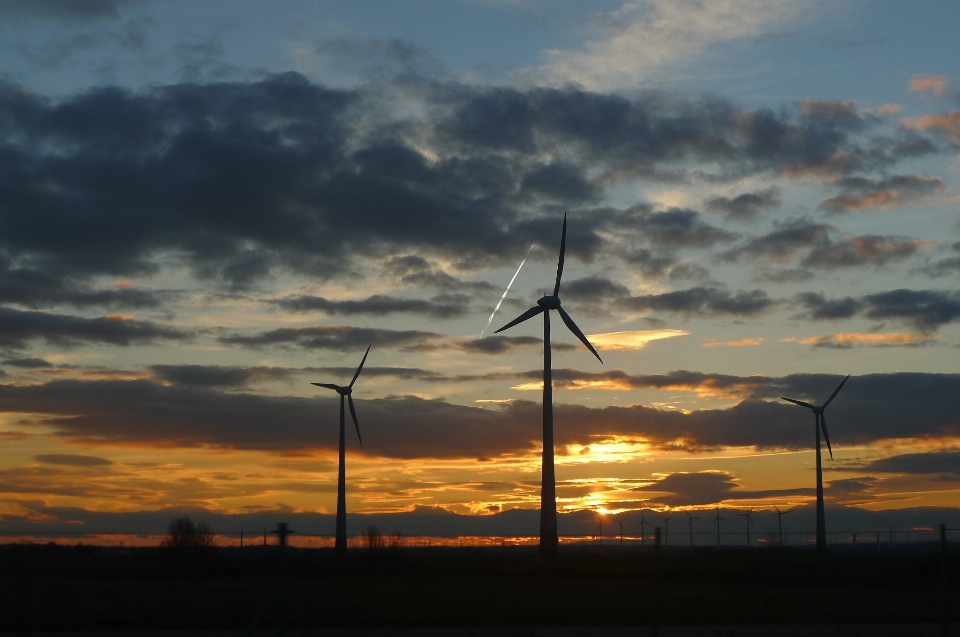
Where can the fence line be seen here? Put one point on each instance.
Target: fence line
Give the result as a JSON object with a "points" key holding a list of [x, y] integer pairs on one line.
{"points": [[679, 539]]}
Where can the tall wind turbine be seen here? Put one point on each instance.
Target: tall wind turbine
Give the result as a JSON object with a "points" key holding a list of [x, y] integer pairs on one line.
{"points": [[548, 478], [821, 424], [345, 392]]}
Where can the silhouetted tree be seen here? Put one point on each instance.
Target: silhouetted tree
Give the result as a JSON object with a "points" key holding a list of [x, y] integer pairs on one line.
{"points": [[184, 533], [396, 540], [374, 538]]}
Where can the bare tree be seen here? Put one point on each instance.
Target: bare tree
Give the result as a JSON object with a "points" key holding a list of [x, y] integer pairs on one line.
{"points": [[374, 538], [184, 533], [396, 540]]}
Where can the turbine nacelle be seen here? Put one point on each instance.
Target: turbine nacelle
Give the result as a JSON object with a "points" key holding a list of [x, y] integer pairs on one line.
{"points": [[549, 302], [344, 391]]}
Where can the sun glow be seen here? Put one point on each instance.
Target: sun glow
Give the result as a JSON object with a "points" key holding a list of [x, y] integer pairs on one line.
{"points": [[632, 340]]}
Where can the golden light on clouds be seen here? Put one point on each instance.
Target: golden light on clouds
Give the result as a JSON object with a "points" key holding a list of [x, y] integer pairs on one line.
{"points": [[935, 84], [633, 340], [743, 342], [852, 339]]}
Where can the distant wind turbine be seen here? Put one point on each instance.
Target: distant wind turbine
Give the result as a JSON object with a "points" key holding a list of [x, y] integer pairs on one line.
{"points": [[691, 519], [345, 392], [717, 522], [641, 525], [666, 529], [821, 424], [548, 480], [747, 515], [620, 521], [780, 515]]}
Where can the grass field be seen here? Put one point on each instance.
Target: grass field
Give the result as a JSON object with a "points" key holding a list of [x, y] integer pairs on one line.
{"points": [[57, 588]]}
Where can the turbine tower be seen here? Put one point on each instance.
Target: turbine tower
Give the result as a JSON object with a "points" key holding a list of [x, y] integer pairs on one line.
{"points": [[345, 392], [821, 424], [548, 479]]}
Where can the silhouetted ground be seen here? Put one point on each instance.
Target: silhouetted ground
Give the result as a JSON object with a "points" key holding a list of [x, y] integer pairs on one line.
{"points": [[54, 588]]}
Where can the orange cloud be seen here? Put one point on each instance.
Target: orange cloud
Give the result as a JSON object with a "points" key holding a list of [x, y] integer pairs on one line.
{"points": [[947, 122], [889, 109], [935, 84], [853, 339], [743, 342], [627, 341]]}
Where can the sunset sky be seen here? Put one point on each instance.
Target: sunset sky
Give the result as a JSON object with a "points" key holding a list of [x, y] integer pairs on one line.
{"points": [[206, 206]]}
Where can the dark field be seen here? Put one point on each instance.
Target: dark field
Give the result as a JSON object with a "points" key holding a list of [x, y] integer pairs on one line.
{"points": [[57, 588]]}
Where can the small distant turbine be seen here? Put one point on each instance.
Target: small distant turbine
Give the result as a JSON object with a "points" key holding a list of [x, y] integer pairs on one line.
{"points": [[821, 424], [549, 541], [666, 529], [749, 522], [345, 392], [780, 515], [691, 519], [620, 521], [717, 522], [641, 525]]}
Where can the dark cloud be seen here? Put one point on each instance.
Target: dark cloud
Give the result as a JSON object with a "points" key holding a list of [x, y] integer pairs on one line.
{"points": [[925, 309], [820, 308], [66, 10], [782, 244], [701, 301], [337, 337], [745, 206], [890, 192], [497, 344], [27, 363], [245, 179], [707, 487], [870, 408], [216, 376], [72, 460], [863, 250], [785, 275], [679, 228], [649, 263], [17, 328], [592, 289], [441, 307], [945, 463], [39, 288], [416, 271]]}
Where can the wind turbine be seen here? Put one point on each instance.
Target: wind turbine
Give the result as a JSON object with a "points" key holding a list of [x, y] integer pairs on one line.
{"points": [[548, 478], [600, 533], [691, 519], [780, 515], [821, 424], [641, 525], [666, 529], [620, 521], [717, 522], [749, 520], [345, 392]]}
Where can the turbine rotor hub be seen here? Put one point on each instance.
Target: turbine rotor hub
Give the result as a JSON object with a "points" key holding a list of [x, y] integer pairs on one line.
{"points": [[550, 302], [345, 391], [818, 410]]}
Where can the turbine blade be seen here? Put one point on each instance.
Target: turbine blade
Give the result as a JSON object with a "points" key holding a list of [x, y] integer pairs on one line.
{"points": [[823, 428], [576, 330], [836, 391], [327, 385], [361, 365], [353, 412], [798, 402], [563, 249], [529, 314]]}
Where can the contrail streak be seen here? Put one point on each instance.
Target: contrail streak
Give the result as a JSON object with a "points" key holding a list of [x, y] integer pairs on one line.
{"points": [[509, 285]]}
